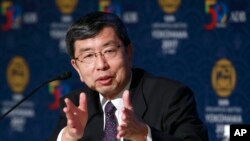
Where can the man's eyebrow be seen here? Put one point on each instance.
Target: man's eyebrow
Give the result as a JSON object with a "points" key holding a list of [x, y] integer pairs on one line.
{"points": [[85, 49], [111, 42]]}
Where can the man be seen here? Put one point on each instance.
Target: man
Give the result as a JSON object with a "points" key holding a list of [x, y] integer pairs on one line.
{"points": [[144, 107]]}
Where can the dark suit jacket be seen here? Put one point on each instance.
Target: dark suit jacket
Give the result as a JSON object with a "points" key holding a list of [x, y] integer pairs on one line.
{"points": [[166, 106]]}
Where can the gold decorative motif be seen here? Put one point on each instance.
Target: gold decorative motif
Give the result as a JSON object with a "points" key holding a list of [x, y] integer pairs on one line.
{"points": [[210, 2], [66, 6], [18, 74], [169, 6], [223, 77]]}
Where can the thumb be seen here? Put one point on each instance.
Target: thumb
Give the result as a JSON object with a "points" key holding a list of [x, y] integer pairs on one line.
{"points": [[126, 100]]}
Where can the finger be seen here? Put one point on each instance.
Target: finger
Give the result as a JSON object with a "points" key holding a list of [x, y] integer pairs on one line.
{"points": [[69, 104], [122, 127], [126, 114], [68, 109], [73, 121], [83, 102], [121, 134], [121, 131], [126, 100]]}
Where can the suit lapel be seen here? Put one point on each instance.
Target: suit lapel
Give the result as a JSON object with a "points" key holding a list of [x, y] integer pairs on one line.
{"points": [[94, 127], [136, 91], [94, 105]]}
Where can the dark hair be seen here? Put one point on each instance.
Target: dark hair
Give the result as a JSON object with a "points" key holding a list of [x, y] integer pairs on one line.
{"points": [[90, 25]]}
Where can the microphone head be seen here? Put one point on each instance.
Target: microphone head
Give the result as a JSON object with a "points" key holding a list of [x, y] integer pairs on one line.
{"points": [[64, 76]]}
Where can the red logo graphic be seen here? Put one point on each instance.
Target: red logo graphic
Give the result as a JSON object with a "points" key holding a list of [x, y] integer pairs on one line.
{"points": [[57, 89], [218, 12], [12, 14]]}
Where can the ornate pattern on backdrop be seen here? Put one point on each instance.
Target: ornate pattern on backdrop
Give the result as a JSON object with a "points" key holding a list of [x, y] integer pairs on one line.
{"points": [[203, 43]]}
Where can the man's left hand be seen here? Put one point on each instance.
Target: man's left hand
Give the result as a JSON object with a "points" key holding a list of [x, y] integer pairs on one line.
{"points": [[130, 127]]}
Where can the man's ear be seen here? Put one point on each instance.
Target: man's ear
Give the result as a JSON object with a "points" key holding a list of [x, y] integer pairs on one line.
{"points": [[76, 67]]}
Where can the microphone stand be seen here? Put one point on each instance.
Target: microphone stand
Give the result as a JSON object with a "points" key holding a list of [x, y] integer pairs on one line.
{"points": [[61, 77]]}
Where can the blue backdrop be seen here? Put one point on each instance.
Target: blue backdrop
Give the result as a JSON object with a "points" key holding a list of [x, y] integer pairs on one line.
{"points": [[203, 43]]}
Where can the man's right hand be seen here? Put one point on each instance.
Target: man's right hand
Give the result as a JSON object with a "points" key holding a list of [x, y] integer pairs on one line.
{"points": [[76, 119]]}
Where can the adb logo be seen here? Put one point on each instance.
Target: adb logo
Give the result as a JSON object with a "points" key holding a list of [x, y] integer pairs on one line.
{"points": [[110, 6], [57, 89], [11, 15], [223, 77], [218, 13], [169, 6]]}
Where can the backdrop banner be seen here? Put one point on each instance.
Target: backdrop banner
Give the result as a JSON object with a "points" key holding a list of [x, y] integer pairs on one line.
{"points": [[202, 43]]}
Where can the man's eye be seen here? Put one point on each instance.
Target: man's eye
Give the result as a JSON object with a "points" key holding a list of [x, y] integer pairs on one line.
{"points": [[109, 51], [88, 56]]}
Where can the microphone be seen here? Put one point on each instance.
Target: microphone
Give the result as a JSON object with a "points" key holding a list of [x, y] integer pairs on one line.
{"points": [[63, 76]]}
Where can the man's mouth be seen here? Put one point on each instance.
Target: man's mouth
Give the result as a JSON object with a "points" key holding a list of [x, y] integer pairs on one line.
{"points": [[104, 80]]}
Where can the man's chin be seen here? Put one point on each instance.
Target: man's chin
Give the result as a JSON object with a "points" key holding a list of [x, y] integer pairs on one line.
{"points": [[107, 92], [105, 89]]}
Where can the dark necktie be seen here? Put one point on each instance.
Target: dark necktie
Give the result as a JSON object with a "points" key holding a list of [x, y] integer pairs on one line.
{"points": [[110, 130]]}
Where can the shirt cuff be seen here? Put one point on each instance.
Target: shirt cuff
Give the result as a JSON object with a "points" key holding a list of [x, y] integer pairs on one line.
{"points": [[59, 137], [149, 135]]}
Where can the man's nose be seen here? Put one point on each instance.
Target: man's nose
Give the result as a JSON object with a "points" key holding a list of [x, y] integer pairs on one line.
{"points": [[100, 61]]}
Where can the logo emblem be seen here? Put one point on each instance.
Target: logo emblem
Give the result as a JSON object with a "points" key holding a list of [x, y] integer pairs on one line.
{"points": [[223, 77], [57, 89], [66, 6], [12, 15], [218, 13], [169, 6], [18, 74], [108, 6]]}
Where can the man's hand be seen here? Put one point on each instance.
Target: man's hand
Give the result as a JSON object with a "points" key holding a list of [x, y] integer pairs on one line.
{"points": [[131, 128], [76, 119]]}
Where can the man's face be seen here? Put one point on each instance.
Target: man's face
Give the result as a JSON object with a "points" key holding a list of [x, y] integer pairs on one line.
{"points": [[106, 75]]}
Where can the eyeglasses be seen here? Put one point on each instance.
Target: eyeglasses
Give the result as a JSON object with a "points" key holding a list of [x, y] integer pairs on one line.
{"points": [[90, 57]]}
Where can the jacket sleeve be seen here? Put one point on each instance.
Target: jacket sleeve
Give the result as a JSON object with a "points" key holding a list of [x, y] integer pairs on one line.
{"points": [[60, 125], [180, 121]]}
